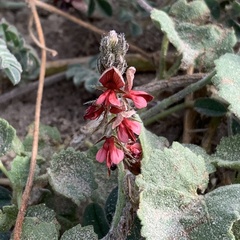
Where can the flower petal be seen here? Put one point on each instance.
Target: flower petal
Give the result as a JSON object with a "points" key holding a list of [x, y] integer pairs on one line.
{"points": [[112, 98], [101, 155], [122, 133], [140, 98], [116, 155], [101, 99], [133, 125], [130, 76], [112, 78]]}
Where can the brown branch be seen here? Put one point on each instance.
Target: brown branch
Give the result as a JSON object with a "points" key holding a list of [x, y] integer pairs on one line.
{"points": [[86, 25], [158, 86], [29, 184]]}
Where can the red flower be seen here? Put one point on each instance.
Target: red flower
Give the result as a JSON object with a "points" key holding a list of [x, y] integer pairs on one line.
{"points": [[93, 112], [108, 99], [126, 129], [139, 98], [112, 79], [110, 153], [135, 150]]}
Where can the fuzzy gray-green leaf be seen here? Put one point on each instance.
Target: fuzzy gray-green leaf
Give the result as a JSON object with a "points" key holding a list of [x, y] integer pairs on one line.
{"points": [[19, 171], [7, 135], [8, 216], [80, 233], [170, 206], [227, 80], [187, 28], [72, 174], [227, 153], [40, 223]]}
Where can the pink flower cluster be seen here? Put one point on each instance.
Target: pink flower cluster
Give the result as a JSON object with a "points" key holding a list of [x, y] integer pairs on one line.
{"points": [[114, 104]]}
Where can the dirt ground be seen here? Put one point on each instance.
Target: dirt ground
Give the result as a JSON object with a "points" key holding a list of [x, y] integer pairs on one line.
{"points": [[63, 103]]}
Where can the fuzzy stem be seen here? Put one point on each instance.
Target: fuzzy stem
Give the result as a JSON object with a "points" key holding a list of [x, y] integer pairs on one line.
{"points": [[26, 194], [177, 96], [168, 112], [11, 5], [121, 196], [163, 55], [4, 170], [174, 68]]}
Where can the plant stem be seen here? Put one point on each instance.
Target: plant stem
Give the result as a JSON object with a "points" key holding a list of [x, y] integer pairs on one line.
{"points": [[12, 5], [177, 96], [163, 55], [168, 112], [145, 5], [3, 169], [121, 196], [29, 184], [174, 68]]}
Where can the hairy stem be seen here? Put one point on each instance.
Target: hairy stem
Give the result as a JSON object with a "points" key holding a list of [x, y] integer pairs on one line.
{"points": [[163, 55], [177, 96], [27, 191], [121, 196], [145, 5], [4, 170], [168, 112], [174, 68], [12, 5]]}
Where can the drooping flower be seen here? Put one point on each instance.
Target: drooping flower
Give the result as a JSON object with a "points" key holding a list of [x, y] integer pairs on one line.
{"points": [[126, 127], [139, 98], [93, 112], [110, 152]]}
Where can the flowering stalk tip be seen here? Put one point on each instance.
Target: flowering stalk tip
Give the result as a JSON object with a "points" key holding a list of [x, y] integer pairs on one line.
{"points": [[116, 105]]}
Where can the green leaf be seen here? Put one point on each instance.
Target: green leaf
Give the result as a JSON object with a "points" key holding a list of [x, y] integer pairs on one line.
{"points": [[227, 80], [9, 64], [207, 158], [5, 197], [40, 223], [80, 233], [186, 28], [82, 74], [105, 183], [19, 171], [94, 215], [235, 125], [210, 107], [72, 174], [169, 204], [8, 217], [105, 6], [24, 53], [110, 205], [5, 235], [7, 135], [227, 152]]}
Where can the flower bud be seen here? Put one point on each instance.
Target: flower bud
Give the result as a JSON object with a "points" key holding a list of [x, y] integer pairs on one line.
{"points": [[113, 48]]}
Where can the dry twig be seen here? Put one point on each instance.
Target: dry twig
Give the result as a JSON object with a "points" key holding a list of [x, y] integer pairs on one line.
{"points": [[27, 191]]}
